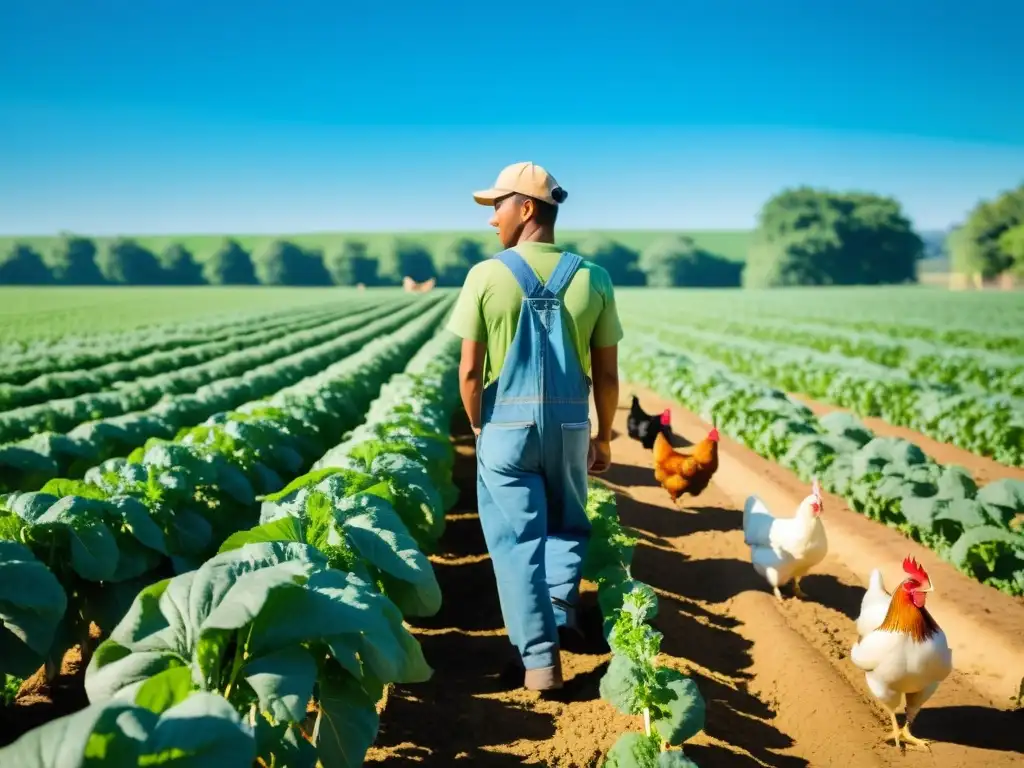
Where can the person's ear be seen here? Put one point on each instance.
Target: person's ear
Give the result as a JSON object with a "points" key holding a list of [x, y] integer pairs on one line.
{"points": [[527, 211]]}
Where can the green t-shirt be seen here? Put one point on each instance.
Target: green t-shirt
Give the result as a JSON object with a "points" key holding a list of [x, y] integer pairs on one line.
{"points": [[488, 307]]}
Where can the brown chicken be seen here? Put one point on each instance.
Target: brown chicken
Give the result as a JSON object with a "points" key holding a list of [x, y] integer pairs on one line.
{"points": [[689, 472]]}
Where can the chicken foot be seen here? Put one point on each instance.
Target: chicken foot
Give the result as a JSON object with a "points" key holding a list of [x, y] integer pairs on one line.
{"points": [[903, 738], [797, 591], [911, 740]]}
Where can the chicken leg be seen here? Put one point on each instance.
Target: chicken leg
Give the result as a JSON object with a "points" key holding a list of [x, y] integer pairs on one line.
{"points": [[797, 591]]}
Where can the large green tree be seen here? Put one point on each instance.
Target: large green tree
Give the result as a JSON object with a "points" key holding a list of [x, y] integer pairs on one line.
{"points": [[180, 266], [22, 265], [455, 260], [677, 261], [352, 264], [230, 264], [285, 263], [986, 243], [125, 262], [808, 236], [403, 257], [620, 262], [73, 261]]}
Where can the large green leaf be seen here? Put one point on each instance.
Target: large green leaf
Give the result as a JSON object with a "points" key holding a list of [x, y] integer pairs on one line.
{"points": [[376, 532], [347, 724], [32, 604], [203, 731], [682, 708], [283, 681]]}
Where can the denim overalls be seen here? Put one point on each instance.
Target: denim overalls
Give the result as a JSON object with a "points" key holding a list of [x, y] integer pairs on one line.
{"points": [[532, 467]]}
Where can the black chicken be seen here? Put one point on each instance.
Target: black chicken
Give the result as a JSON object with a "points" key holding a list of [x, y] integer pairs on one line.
{"points": [[645, 428]]}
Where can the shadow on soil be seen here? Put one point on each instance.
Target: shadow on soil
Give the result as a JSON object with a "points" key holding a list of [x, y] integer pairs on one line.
{"points": [[701, 636], [971, 726]]}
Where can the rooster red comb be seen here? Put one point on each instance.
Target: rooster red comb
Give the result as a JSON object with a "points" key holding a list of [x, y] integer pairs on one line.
{"points": [[666, 417], [713, 435], [915, 570]]}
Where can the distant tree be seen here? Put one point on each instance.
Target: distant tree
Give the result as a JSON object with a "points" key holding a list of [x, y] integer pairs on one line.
{"points": [[73, 261], [807, 236], [285, 263], [403, 258], [979, 246], [677, 261], [617, 259], [456, 259], [1011, 242], [352, 264], [230, 265], [180, 266], [126, 262], [22, 265]]}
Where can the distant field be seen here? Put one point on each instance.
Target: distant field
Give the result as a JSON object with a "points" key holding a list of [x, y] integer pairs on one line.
{"points": [[731, 244], [37, 313]]}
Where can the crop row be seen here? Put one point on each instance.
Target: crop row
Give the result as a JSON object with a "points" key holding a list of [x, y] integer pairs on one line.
{"points": [[965, 338], [27, 464], [961, 369], [22, 363], [169, 505], [278, 648], [69, 383], [672, 707], [988, 425], [65, 413], [887, 479]]}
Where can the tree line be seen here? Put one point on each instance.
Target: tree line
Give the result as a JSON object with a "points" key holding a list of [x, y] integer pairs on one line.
{"points": [[73, 260], [804, 236]]}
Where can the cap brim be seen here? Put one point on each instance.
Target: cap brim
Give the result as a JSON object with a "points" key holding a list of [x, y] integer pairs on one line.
{"points": [[488, 196]]}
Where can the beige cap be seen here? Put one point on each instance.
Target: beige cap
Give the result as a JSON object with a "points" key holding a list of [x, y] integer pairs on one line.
{"points": [[525, 179]]}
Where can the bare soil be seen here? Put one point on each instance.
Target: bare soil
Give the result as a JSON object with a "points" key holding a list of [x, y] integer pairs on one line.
{"points": [[779, 685]]}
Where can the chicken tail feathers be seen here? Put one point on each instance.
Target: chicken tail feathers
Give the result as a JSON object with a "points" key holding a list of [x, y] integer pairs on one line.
{"points": [[662, 448], [757, 522], [875, 583]]}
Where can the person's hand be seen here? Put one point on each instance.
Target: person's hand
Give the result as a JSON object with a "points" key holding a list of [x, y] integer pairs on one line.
{"points": [[476, 431], [599, 457]]}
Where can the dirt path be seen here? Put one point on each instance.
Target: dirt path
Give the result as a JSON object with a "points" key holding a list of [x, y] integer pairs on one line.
{"points": [[983, 470], [780, 688]]}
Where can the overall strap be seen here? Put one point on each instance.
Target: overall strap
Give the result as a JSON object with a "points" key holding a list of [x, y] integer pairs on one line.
{"points": [[564, 272], [523, 273]]}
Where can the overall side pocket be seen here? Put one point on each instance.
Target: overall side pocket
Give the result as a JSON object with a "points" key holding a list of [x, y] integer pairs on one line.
{"points": [[575, 446]]}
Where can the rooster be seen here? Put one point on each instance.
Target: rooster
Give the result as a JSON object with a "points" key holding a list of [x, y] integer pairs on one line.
{"points": [[902, 650], [785, 549], [644, 427], [680, 472]]}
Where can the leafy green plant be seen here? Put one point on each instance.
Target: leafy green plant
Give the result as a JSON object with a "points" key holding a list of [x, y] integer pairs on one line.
{"points": [[268, 627], [672, 707]]}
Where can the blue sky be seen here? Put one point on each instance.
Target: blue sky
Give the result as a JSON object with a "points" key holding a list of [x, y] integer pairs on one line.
{"points": [[156, 116]]}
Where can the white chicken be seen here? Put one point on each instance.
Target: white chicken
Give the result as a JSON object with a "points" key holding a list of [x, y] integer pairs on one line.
{"points": [[785, 549], [901, 648]]}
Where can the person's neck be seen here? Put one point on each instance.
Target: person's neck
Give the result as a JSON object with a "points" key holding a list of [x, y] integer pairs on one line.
{"points": [[539, 235]]}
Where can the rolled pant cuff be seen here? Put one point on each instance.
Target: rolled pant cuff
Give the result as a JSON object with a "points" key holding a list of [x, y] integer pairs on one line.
{"points": [[540, 660]]}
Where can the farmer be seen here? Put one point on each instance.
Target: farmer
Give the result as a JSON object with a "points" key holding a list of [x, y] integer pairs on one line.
{"points": [[534, 321]]}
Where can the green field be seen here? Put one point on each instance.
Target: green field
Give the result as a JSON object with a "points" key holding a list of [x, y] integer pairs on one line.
{"points": [[37, 313], [731, 244]]}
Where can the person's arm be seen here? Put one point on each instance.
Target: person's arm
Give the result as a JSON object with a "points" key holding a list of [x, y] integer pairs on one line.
{"points": [[604, 364], [471, 380]]}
